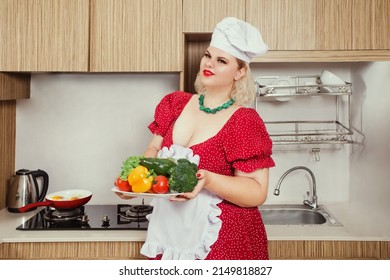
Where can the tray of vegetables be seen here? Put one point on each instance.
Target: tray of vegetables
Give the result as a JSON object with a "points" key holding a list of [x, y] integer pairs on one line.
{"points": [[156, 177]]}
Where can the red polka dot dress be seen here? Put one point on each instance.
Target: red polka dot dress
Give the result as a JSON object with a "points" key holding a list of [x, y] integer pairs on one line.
{"points": [[243, 143]]}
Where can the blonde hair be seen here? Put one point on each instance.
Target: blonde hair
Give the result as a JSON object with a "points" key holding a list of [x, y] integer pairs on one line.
{"points": [[243, 91]]}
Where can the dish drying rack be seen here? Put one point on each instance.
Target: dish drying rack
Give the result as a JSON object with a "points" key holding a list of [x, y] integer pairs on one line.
{"points": [[308, 132], [292, 86], [270, 88]]}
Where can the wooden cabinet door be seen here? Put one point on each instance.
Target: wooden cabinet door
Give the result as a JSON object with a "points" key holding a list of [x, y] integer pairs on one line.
{"points": [[285, 24], [371, 25], [137, 35], [302, 24], [44, 35], [203, 15], [334, 25]]}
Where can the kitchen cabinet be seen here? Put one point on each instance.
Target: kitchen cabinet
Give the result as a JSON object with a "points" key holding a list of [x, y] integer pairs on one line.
{"points": [[94, 36], [334, 25], [7, 145], [138, 35], [385, 250], [44, 35], [203, 15], [303, 24], [328, 250], [71, 250], [12, 86], [278, 249], [295, 30], [322, 30], [285, 25], [371, 25], [122, 36]]}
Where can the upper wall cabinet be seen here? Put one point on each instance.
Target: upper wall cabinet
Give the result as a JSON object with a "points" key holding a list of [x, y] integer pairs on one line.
{"points": [[371, 24], [285, 25], [137, 35], [322, 30], [203, 15], [146, 35], [333, 25], [303, 24], [44, 35]]}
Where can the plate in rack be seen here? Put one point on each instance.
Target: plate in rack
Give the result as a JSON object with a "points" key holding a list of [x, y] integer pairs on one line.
{"points": [[283, 90]]}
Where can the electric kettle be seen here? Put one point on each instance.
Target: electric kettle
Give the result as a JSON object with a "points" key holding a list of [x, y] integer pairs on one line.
{"points": [[24, 188]]}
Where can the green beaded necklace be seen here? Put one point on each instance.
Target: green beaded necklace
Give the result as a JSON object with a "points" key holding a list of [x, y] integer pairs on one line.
{"points": [[215, 110]]}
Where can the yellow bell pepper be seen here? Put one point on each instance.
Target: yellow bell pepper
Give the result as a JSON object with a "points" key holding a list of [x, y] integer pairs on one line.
{"points": [[140, 179]]}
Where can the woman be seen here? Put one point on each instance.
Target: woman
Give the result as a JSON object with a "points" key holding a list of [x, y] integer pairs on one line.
{"points": [[220, 218]]}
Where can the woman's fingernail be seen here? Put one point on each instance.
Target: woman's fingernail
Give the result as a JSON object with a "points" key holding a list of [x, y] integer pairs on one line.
{"points": [[198, 175]]}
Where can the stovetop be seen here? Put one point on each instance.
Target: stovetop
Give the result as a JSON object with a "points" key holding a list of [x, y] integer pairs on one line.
{"points": [[90, 217]]}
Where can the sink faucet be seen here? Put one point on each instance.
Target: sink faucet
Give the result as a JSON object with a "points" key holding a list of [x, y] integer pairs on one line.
{"points": [[313, 203]]}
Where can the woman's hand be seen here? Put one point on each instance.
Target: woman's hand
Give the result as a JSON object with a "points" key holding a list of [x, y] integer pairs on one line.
{"points": [[201, 175]]}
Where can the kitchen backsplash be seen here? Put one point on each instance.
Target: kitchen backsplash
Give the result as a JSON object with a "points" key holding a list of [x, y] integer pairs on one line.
{"points": [[81, 127]]}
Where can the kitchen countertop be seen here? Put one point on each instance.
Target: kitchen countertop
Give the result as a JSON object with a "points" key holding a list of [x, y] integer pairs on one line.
{"points": [[362, 227]]}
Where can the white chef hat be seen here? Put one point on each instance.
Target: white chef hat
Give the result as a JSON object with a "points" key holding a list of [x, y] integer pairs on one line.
{"points": [[238, 38]]}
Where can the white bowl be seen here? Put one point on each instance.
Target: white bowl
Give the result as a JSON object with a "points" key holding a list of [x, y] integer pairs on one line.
{"points": [[328, 78]]}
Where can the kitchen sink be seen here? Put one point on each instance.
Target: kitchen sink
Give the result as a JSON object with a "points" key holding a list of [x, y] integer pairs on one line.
{"points": [[292, 214]]}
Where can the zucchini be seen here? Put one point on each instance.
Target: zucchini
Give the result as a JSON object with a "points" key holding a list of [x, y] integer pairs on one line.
{"points": [[160, 166]]}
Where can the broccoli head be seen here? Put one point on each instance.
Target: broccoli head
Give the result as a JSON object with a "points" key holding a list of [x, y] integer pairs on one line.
{"points": [[183, 177]]}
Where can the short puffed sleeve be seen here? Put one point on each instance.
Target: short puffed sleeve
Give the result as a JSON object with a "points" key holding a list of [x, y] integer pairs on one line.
{"points": [[167, 111], [248, 145]]}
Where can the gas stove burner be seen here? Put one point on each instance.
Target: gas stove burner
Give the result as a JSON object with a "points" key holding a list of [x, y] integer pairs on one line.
{"points": [[133, 213], [63, 215], [141, 209]]}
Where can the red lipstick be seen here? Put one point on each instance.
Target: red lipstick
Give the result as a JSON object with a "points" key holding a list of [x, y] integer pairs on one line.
{"points": [[207, 73]]}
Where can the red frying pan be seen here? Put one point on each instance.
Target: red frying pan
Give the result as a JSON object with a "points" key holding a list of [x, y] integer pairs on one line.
{"points": [[62, 200]]}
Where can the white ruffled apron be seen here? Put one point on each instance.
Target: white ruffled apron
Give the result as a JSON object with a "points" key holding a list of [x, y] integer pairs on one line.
{"points": [[183, 230]]}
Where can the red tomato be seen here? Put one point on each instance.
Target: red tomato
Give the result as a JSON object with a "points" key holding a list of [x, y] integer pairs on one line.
{"points": [[122, 185], [160, 184]]}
